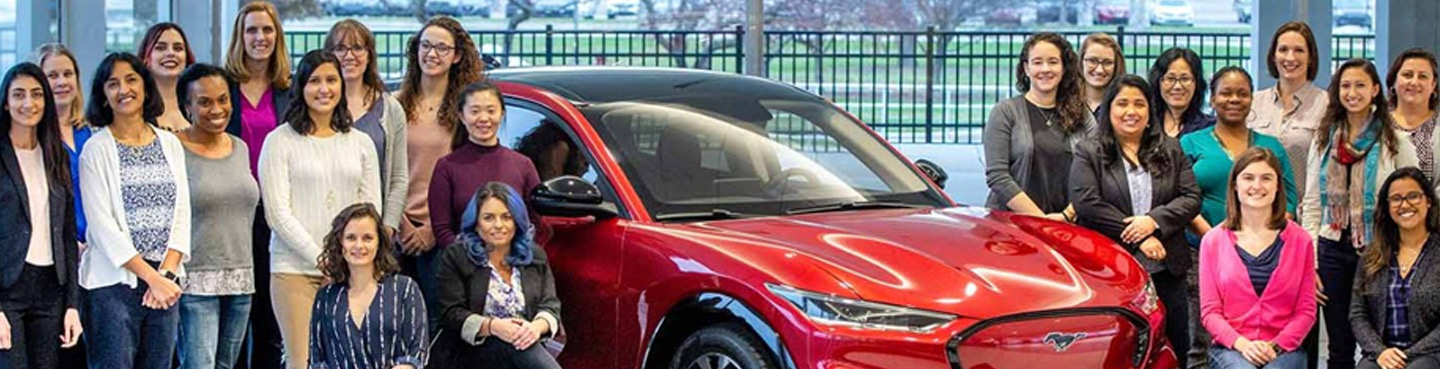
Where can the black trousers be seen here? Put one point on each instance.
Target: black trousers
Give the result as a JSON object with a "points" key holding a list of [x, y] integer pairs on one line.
{"points": [[263, 343], [1171, 289], [1338, 260], [36, 315]]}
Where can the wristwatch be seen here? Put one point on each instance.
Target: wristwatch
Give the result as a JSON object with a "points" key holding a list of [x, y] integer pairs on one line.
{"points": [[170, 275]]}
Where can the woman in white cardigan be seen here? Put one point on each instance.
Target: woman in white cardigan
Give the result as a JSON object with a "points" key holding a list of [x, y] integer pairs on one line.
{"points": [[132, 177], [1355, 149], [311, 168]]}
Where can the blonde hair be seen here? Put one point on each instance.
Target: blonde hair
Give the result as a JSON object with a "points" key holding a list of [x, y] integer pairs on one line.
{"points": [[77, 102], [280, 57]]}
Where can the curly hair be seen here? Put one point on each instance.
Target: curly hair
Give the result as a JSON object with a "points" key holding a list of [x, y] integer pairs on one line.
{"points": [[468, 69], [1068, 96], [332, 257]]}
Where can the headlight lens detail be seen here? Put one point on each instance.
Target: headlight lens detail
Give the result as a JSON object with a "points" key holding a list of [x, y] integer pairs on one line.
{"points": [[839, 311]]}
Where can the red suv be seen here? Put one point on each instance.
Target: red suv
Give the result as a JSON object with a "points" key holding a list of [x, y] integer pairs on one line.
{"points": [[707, 220]]}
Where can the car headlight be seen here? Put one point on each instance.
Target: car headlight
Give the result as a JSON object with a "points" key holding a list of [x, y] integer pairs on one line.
{"points": [[1148, 301], [840, 311]]}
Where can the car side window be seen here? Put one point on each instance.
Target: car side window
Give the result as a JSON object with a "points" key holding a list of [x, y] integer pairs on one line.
{"points": [[538, 135]]}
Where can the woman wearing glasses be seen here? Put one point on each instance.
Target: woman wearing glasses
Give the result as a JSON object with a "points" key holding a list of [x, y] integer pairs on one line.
{"points": [[442, 61], [1397, 302], [376, 113], [1178, 88], [1102, 61]]}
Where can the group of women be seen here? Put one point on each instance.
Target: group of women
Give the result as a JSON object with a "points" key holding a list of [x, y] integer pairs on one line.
{"points": [[184, 209], [1286, 205]]}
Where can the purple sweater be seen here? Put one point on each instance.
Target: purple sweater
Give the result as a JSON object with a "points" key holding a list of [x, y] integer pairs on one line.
{"points": [[462, 172]]}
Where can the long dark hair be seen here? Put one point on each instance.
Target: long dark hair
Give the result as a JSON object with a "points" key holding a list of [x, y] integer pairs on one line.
{"points": [[521, 246], [100, 113], [1394, 74], [57, 160], [332, 258], [298, 114], [1387, 233], [1158, 105], [1153, 157], [1336, 116], [1070, 102], [459, 136], [152, 36], [468, 69]]}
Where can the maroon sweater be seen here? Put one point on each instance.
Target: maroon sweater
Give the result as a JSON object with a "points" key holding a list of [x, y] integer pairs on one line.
{"points": [[462, 172]]}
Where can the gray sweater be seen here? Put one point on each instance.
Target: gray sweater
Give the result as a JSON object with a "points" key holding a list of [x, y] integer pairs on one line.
{"points": [[1372, 299], [1010, 150], [223, 197]]}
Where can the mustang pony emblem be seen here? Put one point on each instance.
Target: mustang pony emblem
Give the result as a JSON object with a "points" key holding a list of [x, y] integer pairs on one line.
{"points": [[1062, 341]]}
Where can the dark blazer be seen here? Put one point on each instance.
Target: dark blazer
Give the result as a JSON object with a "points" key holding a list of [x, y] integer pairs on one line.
{"points": [[464, 286], [15, 221], [1372, 298], [1101, 195], [237, 99]]}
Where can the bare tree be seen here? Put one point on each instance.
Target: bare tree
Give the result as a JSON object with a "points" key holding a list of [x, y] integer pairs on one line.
{"points": [[294, 9]]}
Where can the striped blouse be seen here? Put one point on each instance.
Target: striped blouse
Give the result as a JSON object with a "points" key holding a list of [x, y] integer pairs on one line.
{"points": [[393, 331]]}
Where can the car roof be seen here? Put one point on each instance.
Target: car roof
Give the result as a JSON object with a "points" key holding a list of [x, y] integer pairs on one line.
{"points": [[611, 84]]}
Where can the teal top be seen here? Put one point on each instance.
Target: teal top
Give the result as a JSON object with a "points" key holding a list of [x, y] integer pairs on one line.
{"points": [[1212, 170]]}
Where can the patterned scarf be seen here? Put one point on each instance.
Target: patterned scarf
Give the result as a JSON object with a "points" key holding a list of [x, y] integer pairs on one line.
{"points": [[1346, 184]]}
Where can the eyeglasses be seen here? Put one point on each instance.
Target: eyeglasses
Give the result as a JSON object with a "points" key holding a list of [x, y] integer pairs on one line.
{"points": [[440, 49], [1412, 198], [341, 50], [1173, 80], [1098, 62]]}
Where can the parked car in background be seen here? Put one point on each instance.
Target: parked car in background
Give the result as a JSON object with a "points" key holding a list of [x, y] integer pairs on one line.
{"points": [[1353, 13], [1172, 13], [1112, 12], [555, 8], [1011, 16], [609, 9], [715, 220], [1242, 10], [1050, 11]]}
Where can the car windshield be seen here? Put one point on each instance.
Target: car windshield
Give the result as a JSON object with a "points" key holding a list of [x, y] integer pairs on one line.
{"points": [[743, 156]]}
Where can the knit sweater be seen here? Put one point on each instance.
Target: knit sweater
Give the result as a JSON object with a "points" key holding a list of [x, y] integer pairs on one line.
{"points": [[304, 182], [1229, 308], [460, 174]]}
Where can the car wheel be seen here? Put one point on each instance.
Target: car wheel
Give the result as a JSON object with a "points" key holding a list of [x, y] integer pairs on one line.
{"points": [[725, 346]]}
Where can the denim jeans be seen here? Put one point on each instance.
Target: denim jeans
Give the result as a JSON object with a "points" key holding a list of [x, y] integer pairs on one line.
{"points": [[1338, 260], [34, 311], [212, 330], [1225, 358], [125, 335]]}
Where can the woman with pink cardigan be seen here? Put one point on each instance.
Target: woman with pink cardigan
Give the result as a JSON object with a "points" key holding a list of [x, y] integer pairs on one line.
{"points": [[1257, 273]]}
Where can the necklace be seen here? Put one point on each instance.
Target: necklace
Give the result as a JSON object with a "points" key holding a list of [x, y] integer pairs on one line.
{"points": [[1049, 115]]}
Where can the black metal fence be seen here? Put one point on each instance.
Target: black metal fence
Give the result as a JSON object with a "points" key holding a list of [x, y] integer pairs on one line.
{"points": [[912, 87]]}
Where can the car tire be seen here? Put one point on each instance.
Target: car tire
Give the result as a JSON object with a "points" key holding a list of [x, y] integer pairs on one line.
{"points": [[724, 346]]}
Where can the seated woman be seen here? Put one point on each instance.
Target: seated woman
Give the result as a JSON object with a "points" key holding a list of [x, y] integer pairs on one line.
{"points": [[1394, 280], [365, 290], [1257, 273], [497, 294]]}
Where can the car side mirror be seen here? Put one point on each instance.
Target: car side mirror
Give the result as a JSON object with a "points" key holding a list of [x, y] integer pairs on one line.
{"points": [[570, 196], [934, 171]]}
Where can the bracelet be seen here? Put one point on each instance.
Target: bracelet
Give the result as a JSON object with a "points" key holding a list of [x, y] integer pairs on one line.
{"points": [[485, 329]]}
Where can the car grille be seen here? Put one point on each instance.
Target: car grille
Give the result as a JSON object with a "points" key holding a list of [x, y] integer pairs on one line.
{"points": [[1078, 338]]}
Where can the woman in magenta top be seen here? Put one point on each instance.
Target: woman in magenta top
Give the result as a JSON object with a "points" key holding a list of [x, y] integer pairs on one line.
{"points": [[476, 158], [259, 61], [1257, 273]]}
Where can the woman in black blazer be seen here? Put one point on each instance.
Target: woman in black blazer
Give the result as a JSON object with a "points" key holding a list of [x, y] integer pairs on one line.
{"points": [[1134, 185], [38, 251], [496, 251], [1399, 266]]}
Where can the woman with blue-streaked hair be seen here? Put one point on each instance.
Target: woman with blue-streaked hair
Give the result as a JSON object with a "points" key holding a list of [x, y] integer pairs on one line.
{"points": [[497, 294]]}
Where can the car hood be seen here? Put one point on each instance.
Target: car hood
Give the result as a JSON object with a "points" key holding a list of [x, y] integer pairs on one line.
{"points": [[966, 261]]}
